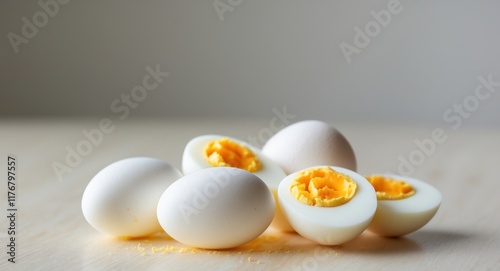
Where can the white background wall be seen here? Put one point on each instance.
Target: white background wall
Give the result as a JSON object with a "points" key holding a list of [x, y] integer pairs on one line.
{"points": [[262, 55]]}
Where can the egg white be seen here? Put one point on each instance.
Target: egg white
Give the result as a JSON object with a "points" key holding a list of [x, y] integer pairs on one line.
{"points": [[403, 216], [330, 225], [193, 159]]}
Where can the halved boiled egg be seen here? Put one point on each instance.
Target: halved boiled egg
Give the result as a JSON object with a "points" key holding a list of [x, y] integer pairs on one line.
{"points": [[326, 204], [208, 151], [404, 204]]}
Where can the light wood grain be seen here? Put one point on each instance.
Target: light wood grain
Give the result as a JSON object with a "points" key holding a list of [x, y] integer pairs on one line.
{"points": [[53, 235]]}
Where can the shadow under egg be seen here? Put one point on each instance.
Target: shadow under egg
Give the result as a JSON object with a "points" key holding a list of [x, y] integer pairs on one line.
{"points": [[437, 239], [369, 243], [276, 242]]}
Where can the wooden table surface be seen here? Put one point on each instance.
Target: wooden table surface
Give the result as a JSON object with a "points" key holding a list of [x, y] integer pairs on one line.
{"points": [[51, 233]]}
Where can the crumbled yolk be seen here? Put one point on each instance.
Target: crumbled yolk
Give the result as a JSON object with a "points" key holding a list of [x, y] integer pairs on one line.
{"points": [[323, 187], [390, 189], [227, 153]]}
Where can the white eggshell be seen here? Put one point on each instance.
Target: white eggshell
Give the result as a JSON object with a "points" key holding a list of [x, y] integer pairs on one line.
{"points": [[216, 208], [193, 159], [309, 143], [400, 217], [330, 225], [121, 199]]}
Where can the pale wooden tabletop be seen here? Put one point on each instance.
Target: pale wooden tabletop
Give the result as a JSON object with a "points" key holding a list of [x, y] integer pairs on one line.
{"points": [[51, 233]]}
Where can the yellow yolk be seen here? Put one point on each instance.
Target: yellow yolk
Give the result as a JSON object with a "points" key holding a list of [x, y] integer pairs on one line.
{"points": [[323, 187], [227, 153], [390, 189]]}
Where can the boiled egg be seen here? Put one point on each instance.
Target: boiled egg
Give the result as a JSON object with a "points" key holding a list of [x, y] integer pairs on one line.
{"points": [[216, 208], [309, 143], [404, 204], [208, 151], [327, 204], [121, 199]]}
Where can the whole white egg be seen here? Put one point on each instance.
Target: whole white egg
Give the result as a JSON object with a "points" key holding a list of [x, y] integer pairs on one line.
{"points": [[121, 199], [216, 208], [397, 217], [234, 150], [328, 225], [309, 143]]}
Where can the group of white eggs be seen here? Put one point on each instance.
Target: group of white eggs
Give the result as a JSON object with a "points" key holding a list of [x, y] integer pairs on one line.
{"points": [[230, 192]]}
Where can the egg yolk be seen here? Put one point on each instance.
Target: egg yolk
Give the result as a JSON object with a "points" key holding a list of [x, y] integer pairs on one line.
{"points": [[323, 187], [390, 189], [227, 153]]}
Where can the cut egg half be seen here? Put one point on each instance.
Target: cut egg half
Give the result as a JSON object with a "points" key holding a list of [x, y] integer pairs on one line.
{"points": [[326, 204], [209, 151], [404, 204]]}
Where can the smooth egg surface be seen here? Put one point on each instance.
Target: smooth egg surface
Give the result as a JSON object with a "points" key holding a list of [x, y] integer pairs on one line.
{"points": [[329, 225], [121, 199], [402, 216], [216, 208], [309, 143]]}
